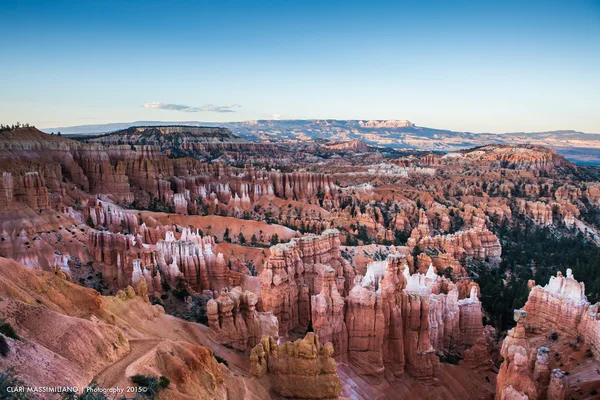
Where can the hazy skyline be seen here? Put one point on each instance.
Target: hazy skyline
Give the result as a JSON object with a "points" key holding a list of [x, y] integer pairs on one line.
{"points": [[460, 65]]}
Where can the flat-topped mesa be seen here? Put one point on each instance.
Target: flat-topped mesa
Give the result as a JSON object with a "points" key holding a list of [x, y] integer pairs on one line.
{"points": [[386, 124], [234, 321], [559, 305], [303, 369], [179, 141], [206, 131], [521, 157], [119, 165], [294, 271], [356, 145], [158, 135]]}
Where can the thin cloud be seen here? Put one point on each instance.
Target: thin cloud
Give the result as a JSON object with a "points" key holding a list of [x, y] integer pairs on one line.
{"points": [[205, 108]]}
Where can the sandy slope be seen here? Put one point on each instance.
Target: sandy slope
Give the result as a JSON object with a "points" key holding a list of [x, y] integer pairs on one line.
{"points": [[71, 335]]}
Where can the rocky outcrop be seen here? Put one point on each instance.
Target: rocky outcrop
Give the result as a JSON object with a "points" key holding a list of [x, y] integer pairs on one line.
{"points": [[422, 230], [559, 305], [539, 211], [558, 310], [526, 372], [104, 177], [589, 328], [421, 360], [193, 258], [126, 259], [568, 193], [592, 193], [366, 326], [328, 314], [117, 252], [7, 188], [397, 321], [522, 157], [303, 369], [475, 243], [470, 319], [234, 321], [279, 287], [31, 189], [515, 375], [113, 218], [295, 271]]}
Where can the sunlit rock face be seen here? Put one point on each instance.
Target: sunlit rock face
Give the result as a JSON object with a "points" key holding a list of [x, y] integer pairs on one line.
{"points": [[525, 371], [193, 258], [559, 305], [234, 321], [400, 322], [303, 369], [296, 270], [328, 314], [558, 309]]}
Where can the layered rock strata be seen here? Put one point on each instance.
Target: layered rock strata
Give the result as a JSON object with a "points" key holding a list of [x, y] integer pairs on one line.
{"points": [[559, 309], [398, 322], [295, 271], [303, 369], [234, 321]]}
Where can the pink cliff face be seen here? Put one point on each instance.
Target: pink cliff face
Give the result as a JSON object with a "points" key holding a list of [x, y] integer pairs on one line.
{"points": [[234, 321], [559, 305], [296, 270], [328, 314], [560, 308], [301, 369]]}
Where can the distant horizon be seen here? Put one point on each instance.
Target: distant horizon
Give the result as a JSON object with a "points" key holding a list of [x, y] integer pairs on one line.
{"points": [[217, 123]]}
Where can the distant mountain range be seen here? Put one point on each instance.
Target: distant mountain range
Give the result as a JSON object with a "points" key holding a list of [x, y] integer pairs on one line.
{"points": [[579, 147]]}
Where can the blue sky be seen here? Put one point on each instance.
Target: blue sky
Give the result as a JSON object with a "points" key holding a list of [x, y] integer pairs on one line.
{"points": [[481, 66]]}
